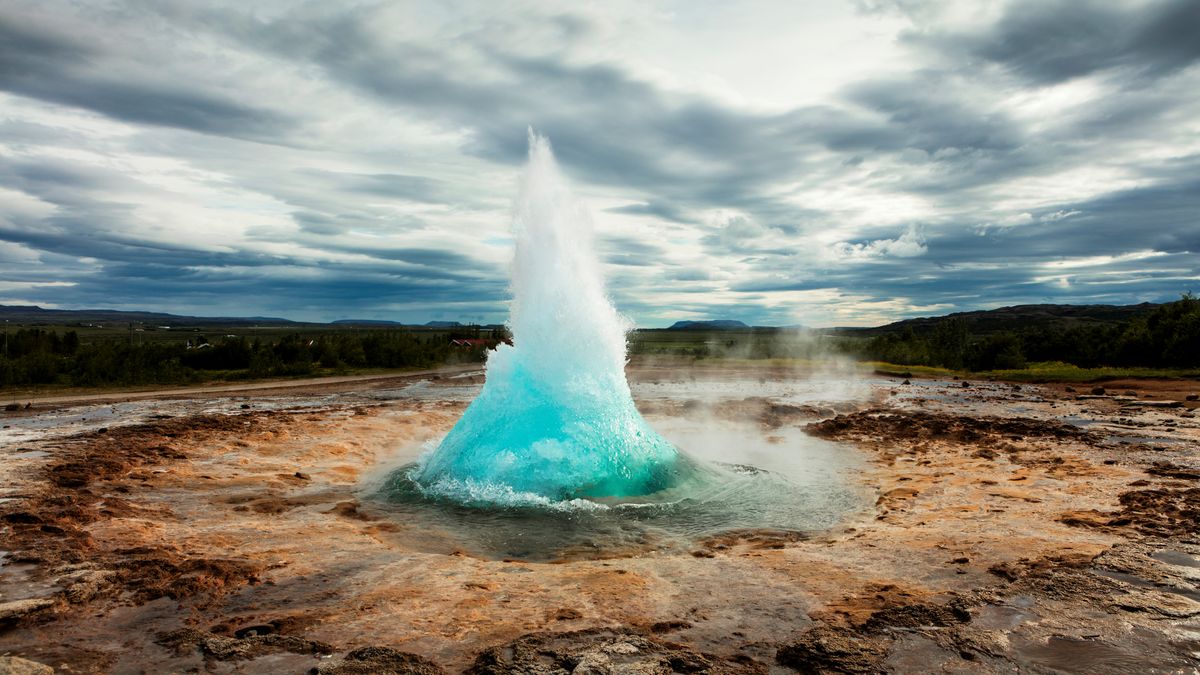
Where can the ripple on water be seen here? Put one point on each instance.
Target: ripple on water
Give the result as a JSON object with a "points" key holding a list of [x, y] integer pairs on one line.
{"points": [[736, 480]]}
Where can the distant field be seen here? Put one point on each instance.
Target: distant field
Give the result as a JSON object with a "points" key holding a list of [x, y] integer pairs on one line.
{"points": [[748, 343], [149, 334], [1057, 371], [150, 356], [1050, 371], [46, 358]]}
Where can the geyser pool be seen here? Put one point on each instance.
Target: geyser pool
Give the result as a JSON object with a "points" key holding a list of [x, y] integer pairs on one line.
{"points": [[552, 459], [753, 479], [555, 419]]}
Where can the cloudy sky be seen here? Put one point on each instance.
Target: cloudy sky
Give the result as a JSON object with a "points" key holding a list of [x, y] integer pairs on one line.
{"points": [[826, 163]]}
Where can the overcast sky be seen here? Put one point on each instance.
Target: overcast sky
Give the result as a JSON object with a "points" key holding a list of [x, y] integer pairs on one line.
{"points": [[822, 163]]}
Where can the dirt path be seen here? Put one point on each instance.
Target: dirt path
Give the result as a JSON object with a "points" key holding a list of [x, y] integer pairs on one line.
{"points": [[306, 386]]}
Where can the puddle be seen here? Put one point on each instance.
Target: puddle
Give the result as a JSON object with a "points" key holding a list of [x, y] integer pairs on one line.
{"points": [[426, 390], [1002, 617], [1177, 558], [1062, 654], [1146, 440], [917, 654], [25, 453], [1139, 582], [20, 581]]}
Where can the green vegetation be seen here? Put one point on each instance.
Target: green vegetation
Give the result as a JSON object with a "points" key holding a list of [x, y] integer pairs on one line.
{"points": [[897, 370], [126, 356], [735, 343], [1167, 337], [1057, 371], [1040, 343], [1086, 344]]}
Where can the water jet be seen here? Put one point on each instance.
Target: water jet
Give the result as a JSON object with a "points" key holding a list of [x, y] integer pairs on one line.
{"points": [[555, 419], [552, 460]]}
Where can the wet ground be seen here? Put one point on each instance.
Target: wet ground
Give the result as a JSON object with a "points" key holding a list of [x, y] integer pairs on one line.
{"points": [[984, 527]]}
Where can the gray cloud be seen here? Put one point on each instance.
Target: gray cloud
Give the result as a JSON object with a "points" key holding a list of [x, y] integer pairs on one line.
{"points": [[1053, 41], [68, 68], [357, 160], [661, 210]]}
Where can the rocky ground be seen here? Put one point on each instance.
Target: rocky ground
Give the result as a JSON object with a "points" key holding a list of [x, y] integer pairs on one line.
{"points": [[1014, 528]]}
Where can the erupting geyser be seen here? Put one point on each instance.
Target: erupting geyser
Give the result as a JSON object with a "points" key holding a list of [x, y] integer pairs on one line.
{"points": [[555, 418]]}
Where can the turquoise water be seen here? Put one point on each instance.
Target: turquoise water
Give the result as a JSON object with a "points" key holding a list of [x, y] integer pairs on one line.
{"points": [[733, 478], [561, 440], [555, 419], [551, 460]]}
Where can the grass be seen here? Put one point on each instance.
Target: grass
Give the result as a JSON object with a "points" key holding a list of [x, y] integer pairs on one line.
{"points": [[1045, 371], [896, 370], [1057, 371], [208, 378]]}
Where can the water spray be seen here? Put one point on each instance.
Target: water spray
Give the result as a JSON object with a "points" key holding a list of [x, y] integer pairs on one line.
{"points": [[555, 418]]}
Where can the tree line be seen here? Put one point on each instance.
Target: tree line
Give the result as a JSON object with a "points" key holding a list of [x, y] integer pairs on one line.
{"points": [[1167, 337], [43, 356]]}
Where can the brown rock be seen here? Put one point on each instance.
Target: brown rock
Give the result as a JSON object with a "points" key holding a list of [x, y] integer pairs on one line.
{"points": [[596, 652], [222, 648], [12, 665], [89, 585], [16, 609], [381, 661], [828, 650]]}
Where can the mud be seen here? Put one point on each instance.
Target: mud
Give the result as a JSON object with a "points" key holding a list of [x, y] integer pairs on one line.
{"points": [[602, 651], [889, 426], [85, 485], [1013, 528]]}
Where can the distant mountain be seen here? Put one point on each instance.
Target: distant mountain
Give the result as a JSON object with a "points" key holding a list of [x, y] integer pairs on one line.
{"points": [[719, 324], [366, 322], [32, 314], [1015, 318]]}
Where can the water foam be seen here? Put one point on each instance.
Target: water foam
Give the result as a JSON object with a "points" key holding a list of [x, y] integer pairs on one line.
{"points": [[555, 418]]}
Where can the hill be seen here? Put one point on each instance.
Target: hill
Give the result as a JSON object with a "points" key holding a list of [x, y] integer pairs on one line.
{"points": [[1017, 317], [366, 322], [719, 324], [32, 314]]}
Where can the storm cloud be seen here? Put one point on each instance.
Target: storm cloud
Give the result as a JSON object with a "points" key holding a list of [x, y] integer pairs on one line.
{"points": [[832, 164]]}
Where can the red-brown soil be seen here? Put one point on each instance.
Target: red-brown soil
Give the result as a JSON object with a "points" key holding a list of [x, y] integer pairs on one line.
{"points": [[1013, 529]]}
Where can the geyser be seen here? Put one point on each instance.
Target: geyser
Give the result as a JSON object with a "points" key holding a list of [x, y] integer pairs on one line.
{"points": [[555, 419]]}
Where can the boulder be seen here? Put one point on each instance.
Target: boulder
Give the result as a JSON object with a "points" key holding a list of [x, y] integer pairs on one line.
{"points": [[12, 665], [380, 661], [15, 609]]}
